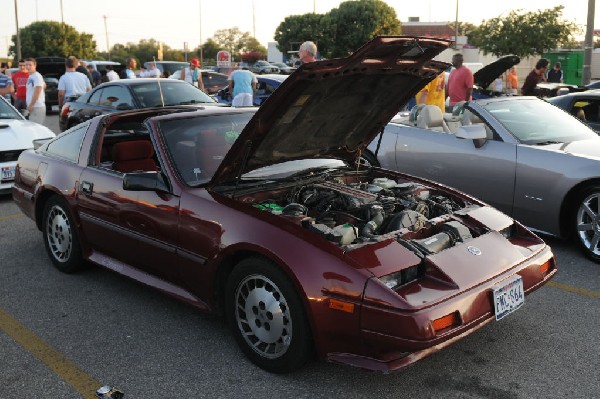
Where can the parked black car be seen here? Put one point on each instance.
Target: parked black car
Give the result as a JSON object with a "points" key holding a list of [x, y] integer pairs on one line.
{"points": [[127, 94], [584, 105]]}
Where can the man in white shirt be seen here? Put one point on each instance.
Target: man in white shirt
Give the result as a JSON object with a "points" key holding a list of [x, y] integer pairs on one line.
{"points": [[72, 83], [110, 74], [192, 74], [35, 96]]}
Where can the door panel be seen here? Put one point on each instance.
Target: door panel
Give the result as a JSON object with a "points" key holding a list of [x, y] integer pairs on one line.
{"points": [[138, 228], [487, 172]]}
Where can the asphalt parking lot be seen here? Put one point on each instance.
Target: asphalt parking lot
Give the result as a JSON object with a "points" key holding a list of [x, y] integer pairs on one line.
{"points": [[63, 336]]}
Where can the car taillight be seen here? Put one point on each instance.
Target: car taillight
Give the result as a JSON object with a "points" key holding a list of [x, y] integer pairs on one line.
{"points": [[64, 111]]}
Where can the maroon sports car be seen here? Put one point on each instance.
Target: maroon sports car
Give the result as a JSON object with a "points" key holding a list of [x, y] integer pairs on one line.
{"points": [[266, 217]]}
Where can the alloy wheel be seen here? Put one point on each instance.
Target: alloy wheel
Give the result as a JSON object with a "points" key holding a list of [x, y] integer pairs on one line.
{"points": [[59, 234], [263, 316], [588, 223]]}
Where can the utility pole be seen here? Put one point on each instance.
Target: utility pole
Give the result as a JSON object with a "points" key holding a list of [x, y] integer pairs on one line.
{"points": [[200, 24], [62, 16], [589, 43], [18, 34], [106, 33], [253, 21], [456, 27]]}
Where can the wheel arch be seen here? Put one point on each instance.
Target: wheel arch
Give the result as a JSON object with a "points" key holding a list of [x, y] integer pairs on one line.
{"points": [[568, 206], [40, 203], [227, 263]]}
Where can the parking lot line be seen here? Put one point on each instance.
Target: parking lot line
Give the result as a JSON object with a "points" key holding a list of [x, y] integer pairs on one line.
{"points": [[576, 290], [54, 360], [18, 215]]}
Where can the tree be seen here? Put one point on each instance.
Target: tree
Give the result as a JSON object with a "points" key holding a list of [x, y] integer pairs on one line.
{"points": [[230, 39], [524, 34], [250, 44], [354, 23], [236, 42], [210, 48], [50, 38], [297, 29]]}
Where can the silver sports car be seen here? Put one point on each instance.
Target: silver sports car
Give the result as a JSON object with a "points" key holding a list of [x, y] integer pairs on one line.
{"points": [[522, 155]]}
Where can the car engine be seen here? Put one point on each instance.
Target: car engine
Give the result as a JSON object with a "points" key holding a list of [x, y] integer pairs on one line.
{"points": [[352, 214]]}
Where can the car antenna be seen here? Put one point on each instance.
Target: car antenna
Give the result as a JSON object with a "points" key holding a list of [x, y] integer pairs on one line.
{"points": [[162, 99]]}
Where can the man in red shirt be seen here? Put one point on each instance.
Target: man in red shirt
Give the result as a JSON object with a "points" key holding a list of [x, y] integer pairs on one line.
{"points": [[19, 79], [460, 82]]}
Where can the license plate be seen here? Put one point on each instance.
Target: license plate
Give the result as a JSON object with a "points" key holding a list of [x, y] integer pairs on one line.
{"points": [[8, 173], [508, 296], [55, 108]]}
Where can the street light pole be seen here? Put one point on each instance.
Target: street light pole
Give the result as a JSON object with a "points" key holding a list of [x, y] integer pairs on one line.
{"points": [[253, 21], [106, 33]]}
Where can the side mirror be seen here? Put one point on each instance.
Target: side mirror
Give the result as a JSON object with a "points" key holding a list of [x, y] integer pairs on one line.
{"points": [[475, 132], [145, 181], [471, 132]]}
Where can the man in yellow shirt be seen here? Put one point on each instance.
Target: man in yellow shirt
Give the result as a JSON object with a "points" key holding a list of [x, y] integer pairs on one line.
{"points": [[434, 93]]}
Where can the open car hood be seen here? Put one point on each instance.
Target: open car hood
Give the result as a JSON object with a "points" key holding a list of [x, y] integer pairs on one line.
{"points": [[486, 75], [334, 108]]}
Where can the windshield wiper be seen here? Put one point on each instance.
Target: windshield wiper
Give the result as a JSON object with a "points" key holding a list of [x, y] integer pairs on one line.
{"points": [[193, 102]]}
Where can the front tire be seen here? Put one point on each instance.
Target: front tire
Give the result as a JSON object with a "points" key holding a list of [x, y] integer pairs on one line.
{"points": [[267, 317], [60, 236], [587, 222]]}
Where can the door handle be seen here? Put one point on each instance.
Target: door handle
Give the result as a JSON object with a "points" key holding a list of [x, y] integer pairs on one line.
{"points": [[86, 187]]}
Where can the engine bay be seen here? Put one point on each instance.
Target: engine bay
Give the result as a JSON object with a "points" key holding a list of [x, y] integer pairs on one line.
{"points": [[353, 211]]}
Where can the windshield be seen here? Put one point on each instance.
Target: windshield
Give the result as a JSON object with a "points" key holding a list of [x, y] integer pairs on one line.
{"points": [[197, 145], [533, 121], [173, 93], [8, 112]]}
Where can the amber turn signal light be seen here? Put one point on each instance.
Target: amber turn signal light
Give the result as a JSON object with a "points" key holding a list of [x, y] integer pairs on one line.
{"points": [[545, 267], [340, 305], [450, 320]]}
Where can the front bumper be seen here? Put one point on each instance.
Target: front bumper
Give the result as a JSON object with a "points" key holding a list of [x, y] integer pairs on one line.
{"points": [[394, 339]]}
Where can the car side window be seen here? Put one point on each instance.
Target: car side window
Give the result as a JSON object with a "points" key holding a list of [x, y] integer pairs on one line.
{"points": [[68, 145], [115, 96], [95, 97]]}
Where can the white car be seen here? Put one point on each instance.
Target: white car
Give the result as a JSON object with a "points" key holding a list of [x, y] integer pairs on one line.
{"points": [[16, 134]]}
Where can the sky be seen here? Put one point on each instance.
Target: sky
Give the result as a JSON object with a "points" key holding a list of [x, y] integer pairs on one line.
{"points": [[194, 21]]}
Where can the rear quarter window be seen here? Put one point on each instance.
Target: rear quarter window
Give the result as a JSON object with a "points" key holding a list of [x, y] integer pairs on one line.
{"points": [[67, 146]]}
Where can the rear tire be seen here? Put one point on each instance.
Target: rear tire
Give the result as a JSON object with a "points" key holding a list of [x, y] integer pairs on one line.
{"points": [[267, 317], [587, 222], [60, 236]]}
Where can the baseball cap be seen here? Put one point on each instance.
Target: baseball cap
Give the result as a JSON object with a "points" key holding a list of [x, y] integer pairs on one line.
{"points": [[195, 62]]}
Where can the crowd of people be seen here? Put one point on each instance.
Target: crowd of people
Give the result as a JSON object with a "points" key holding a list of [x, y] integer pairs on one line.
{"points": [[26, 86], [460, 83]]}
